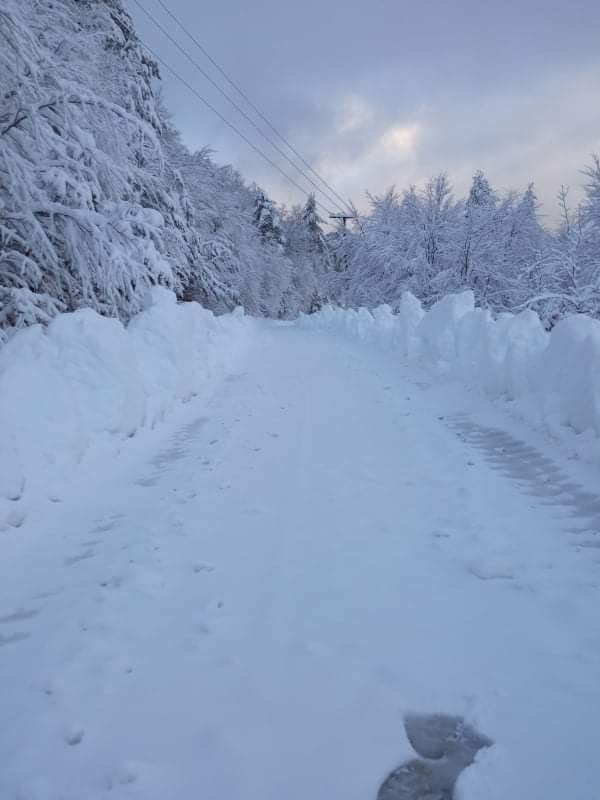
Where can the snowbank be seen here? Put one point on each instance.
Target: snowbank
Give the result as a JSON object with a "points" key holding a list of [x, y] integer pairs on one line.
{"points": [[87, 383], [551, 377]]}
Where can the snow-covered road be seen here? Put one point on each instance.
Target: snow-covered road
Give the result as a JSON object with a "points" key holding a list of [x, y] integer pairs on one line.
{"points": [[249, 604]]}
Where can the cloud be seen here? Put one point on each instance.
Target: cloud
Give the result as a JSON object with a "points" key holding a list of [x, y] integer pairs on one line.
{"points": [[356, 114], [398, 92]]}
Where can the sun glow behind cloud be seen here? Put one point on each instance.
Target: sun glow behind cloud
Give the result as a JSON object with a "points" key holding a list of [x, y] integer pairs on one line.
{"points": [[371, 153], [399, 140]]}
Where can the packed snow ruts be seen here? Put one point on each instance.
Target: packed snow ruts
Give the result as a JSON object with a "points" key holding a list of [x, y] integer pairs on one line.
{"points": [[295, 566]]}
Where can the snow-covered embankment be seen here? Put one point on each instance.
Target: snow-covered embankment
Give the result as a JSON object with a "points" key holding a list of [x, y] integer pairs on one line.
{"points": [[86, 384], [552, 379]]}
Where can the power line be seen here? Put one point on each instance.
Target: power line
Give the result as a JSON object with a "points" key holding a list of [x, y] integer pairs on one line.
{"points": [[244, 95], [226, 121], [233, 102]]}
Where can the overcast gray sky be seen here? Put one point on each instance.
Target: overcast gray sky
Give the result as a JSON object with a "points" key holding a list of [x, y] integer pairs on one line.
{"points": [[390, 92]]}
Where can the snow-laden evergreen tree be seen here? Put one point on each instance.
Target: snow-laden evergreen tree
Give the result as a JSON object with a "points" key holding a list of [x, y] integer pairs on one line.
{"points": [[481, 236], [524, 251], [267, 219], [307, 248], [313, 224]]}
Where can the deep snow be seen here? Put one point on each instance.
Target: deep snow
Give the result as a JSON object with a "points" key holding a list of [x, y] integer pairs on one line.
{"points": [[249, 600], [85, 385]]}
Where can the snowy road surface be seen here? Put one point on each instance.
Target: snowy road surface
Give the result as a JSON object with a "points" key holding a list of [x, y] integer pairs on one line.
{"points": [[249, 604]]}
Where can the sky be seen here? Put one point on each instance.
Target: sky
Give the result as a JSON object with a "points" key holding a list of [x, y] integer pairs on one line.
{"points": [[389, 93]]}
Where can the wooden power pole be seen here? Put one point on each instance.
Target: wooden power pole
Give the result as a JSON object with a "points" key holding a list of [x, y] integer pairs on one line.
{"points": [[343, 217]]}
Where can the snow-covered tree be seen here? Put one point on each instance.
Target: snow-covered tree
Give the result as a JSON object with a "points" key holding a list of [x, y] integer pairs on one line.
{"points": [[570, 278], [99, 198], [591, 204], [267, 219], [313, 224], [308, 251], [496, 245], [481, 234], [440, 224], [90, 212]]}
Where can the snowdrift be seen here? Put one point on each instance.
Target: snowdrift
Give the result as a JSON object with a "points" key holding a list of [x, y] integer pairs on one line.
{"points": [[552, 378], [87, 383]]}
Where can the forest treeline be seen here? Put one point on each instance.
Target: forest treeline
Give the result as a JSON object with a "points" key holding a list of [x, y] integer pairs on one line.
{"points": [[100, 200]]}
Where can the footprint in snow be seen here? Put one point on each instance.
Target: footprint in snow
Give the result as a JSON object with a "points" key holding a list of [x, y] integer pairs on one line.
{"points": [[124, 777], [12, 638], [112, 583], [204, 629], [74, 736], [147, 482], [202, 567], [19, 615], [442, 532], [447, 746], [14, 519], [81, 557], [493, 571], [106, 525]]}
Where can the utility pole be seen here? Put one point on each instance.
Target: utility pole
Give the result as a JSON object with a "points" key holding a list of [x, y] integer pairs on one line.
{"points": [[343, 217]]}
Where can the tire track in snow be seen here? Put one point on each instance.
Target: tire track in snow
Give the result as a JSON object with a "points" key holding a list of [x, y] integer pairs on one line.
{"points": [[536, 475]]}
